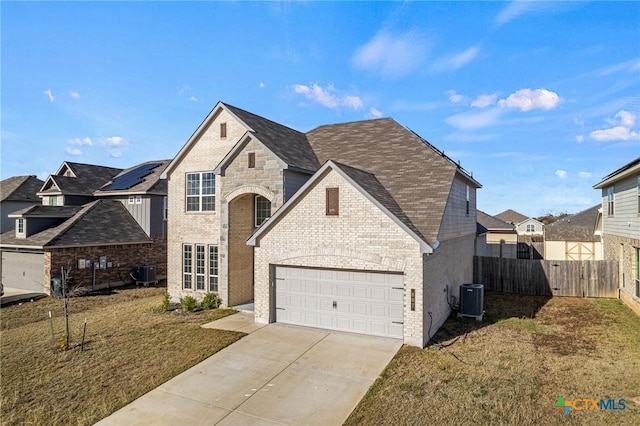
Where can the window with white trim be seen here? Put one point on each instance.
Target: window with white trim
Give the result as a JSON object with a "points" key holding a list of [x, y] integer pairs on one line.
{"points": [[187, 265], [610, 201], [213, 268], [138, 199], [53, 201], [165, 208], [262, 210], [531, 228], [468, 198], [20, 226], [200, 267], [132, 199], [200, 192]]}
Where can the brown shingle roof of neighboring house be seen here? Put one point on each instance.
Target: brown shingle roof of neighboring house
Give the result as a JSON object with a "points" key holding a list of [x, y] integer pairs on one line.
{"points": [[416, 175], [512, 216], [101, 222], [20, 188], [288, 144], [147, 184], [492, 223], [578, 227], [88, 178]]}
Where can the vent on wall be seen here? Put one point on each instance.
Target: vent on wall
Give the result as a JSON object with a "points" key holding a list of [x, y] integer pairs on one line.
{"points": [[472, 301]]}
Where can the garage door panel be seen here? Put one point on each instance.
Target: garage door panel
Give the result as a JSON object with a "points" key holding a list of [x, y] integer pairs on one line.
{"points": [[361, 302], [23, 270]]}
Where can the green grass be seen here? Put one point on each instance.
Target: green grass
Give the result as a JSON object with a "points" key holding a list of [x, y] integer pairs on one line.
{"points": [[512, 367], [131, 348]]}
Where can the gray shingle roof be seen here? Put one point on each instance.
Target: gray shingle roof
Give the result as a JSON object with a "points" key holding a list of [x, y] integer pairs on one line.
{"points": [[149, 184], [289, 145], [512, 216], [417, 176], [100, 222], [578, 227], [88, 179], [492, 223], [47, 211], [20, 188]]}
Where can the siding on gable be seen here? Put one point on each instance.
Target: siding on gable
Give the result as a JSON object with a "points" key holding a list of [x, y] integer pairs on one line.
{"points": [[455, 221], [625, 221], [293, 181], [7, 208]]}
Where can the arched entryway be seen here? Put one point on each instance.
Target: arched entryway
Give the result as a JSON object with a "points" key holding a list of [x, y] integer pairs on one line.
{"points": [[246, 212]]}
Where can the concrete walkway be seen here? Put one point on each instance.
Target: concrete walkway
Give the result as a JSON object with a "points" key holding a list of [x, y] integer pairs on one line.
{"points": [[278, 374]]}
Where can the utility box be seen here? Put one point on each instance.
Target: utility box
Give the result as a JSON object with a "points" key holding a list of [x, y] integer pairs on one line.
{"points": [[146, 275], [472, 301]]}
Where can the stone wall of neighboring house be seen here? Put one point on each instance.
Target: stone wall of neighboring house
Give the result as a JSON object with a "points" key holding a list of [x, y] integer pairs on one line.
{"points": [[361, 237], [625, 251], [124, 260], [196, 227]]}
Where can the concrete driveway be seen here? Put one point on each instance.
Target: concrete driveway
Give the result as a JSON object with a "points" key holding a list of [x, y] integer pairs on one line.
{"points": [[278, 374]]}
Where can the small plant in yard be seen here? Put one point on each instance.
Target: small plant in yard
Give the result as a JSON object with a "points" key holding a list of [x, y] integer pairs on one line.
{"points": [[166, 301], [211, 301], [189, 303]]}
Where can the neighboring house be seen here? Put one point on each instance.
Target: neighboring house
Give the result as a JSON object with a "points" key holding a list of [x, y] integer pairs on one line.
{"points": [[74, 184], [361, 226], [501, 237], [621, 227], [143, 193], [100, 235], [575, 237], [17, 193], [525, 226]]}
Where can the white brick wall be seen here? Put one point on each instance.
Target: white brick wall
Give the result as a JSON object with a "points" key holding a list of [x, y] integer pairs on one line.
{"points": [[361, 237]]}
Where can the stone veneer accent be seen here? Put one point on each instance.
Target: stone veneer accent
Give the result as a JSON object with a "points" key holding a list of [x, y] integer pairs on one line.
{"points": [[362, 237], [624, 250]]}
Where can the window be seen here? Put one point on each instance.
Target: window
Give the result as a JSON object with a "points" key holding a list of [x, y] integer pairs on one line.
{"points": [[165, 208], [333, 202], [223, 130], [213, 268], [201, 190], [138, 199], [21, 226], [610, 201], [187, 266], [132, 199], [251, 160], [263, 210], [468, 192], [53, 201], [531, 228], [199, 267]]}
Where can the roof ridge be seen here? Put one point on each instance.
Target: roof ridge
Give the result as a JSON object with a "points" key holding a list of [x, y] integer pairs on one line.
{"points": [[260, 117], [351, 122]]}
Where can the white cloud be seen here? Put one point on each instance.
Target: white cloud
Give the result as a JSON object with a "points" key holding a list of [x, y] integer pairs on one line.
{"points": [[455, 97], [392, 55], [74, 95], [327, 96], [518, 8], [614, 134], [72, 151], [579, 138], [80, 141], [484, 101], [261, 85], [114, 153], [114, 141], [562, 174], [193, 99], [584, 175], [627, 118], [527, 99], [375, 112], [475, 120], [49, 95], [457, 61]]}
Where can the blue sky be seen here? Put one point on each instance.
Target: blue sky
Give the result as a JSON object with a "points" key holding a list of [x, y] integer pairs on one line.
{"points": [[538, 100]]}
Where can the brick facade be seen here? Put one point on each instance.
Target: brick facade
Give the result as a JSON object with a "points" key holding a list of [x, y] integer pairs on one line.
{"points": [[624, 250]]}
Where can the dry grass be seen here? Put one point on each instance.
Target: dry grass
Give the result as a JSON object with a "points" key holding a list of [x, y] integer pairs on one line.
{"points": [[130, 349], [512, 368]]}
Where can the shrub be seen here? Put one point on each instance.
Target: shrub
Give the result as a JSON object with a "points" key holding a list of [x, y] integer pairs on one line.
{"points": [[166, 301], [189, 303], [211, 301]]}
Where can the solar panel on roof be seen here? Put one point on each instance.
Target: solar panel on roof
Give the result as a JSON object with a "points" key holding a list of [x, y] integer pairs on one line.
{"points": [[132, 178]]}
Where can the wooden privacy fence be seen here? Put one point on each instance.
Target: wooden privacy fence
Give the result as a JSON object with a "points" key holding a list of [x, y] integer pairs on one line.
{"points": [[586, 278]]}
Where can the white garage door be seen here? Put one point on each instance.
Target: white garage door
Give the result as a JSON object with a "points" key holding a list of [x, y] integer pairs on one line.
{"points": [[23, 270], [359, 302]]}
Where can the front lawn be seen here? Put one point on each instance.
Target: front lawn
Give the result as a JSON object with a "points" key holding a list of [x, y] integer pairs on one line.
{"points": [[131, 347], [513, 367]]}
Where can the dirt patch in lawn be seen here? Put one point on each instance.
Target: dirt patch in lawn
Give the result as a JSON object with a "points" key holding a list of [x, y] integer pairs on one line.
{"points": [[131, 348], [513, 367]]}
